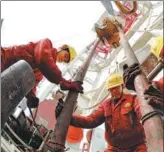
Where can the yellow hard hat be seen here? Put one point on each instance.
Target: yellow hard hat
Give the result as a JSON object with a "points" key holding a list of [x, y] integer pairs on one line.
{"points": [[72, 53], [114, 80], [156, 46]]}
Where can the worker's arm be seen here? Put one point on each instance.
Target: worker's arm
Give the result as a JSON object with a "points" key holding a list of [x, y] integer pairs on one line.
{"points": [[93, 120], [45, 58], [46, 62]]}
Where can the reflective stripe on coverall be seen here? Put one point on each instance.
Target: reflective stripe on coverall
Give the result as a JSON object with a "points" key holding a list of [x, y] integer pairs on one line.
{"points": [[123, 130]]}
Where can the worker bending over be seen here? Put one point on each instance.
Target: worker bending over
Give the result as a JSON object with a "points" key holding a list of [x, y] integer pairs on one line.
{"points": [[42, 57]]}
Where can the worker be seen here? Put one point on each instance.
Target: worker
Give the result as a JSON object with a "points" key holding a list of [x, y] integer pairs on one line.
{"points": [[42, 57], [123, 131]]}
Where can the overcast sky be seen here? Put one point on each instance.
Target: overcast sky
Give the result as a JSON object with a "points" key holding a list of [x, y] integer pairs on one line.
{"points": [[61, 21]]}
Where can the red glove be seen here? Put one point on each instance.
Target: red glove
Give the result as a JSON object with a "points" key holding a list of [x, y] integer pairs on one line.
{"points": [[72, 86]]}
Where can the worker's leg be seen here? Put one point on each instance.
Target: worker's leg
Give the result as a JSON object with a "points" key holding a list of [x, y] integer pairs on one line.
{"points": [[141, 148]]}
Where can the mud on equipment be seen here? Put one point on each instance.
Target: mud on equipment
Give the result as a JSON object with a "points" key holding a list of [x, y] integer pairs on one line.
{"points": [[16, 82]]}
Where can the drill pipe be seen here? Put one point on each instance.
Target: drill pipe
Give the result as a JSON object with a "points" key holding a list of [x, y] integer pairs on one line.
{"points": [[153, 126], [63, 121]]}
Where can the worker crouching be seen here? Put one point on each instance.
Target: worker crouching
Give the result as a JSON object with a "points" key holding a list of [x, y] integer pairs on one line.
{"points": [[123, 131]]}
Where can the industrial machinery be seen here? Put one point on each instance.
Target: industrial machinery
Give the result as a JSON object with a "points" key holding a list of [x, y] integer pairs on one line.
{"points": [[24, 134]]}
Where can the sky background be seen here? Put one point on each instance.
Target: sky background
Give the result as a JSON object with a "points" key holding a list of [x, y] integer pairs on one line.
{"points": [[61, 21]]}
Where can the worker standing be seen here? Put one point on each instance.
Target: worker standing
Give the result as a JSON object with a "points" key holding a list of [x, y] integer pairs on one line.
{"points": [[42, 57], [123, 130]]}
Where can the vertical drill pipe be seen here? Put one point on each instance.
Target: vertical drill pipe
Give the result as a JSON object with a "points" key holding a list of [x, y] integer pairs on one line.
{"points": [[63, 121], [153, 126]]}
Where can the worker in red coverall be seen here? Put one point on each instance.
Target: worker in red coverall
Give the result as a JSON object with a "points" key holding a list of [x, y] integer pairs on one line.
{"points": [[123, 131], [42, 57]]}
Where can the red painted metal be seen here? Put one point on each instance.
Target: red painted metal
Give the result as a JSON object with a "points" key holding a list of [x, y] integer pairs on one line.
{"points": [[74, 135], [46, 113]]}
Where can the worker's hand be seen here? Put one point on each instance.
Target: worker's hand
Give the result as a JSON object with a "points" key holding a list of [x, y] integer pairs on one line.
{"points": [[155, 97], [32, 102], [75, 86], [129, 75]]}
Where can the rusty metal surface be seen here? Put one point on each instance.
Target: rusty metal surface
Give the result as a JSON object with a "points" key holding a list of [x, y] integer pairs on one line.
{"points": [[149, 64], [16, 82]]}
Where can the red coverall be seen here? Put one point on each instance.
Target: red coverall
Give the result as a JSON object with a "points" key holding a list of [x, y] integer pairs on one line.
{"points": [[40, 55], [123, 131]]}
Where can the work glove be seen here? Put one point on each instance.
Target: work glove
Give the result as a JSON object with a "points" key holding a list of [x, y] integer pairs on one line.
{"points": [[72, 86], [129, 75], [155, 97], [59, 107], [32, 101]]}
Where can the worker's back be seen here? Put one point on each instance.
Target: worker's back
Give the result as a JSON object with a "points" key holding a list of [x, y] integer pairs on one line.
{"points": [[10, 55]]}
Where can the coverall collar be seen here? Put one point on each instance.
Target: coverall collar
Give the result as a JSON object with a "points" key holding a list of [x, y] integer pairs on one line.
{"points": [[122, 99]]}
